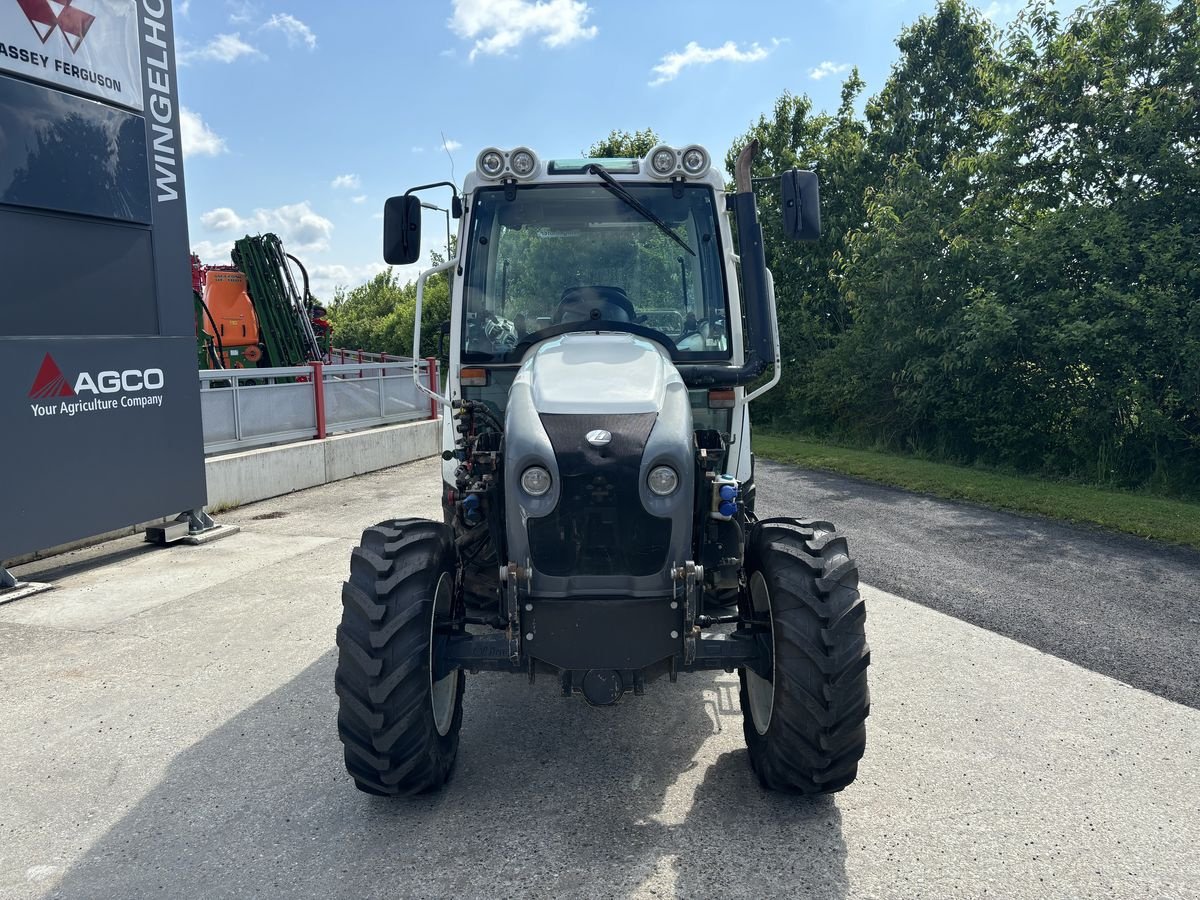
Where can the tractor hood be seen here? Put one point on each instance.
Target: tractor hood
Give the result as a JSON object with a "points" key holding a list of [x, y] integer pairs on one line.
{"points": [[598, 412], [599, 374]]}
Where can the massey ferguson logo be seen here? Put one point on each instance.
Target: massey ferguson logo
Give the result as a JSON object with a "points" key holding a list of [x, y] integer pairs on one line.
{"points": [[46, 15], [134, 386]]}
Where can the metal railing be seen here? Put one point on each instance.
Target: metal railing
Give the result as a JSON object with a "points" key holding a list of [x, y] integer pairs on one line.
{"points": [[340, 356], [243, 408]]}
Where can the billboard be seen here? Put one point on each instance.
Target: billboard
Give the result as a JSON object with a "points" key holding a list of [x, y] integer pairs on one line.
{"points": [[99, 400], [88, 46]]}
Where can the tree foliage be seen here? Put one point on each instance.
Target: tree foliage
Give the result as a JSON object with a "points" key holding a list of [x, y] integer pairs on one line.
{"points": [[378, 316], [1009, 270], [625, 144]]}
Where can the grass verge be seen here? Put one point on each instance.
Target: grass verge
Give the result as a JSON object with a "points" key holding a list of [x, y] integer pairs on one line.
{"points": [[1159, 518]]}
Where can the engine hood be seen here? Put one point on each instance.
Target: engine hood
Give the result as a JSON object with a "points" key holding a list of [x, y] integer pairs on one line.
{"points": [[598, 530], [599, 373]]}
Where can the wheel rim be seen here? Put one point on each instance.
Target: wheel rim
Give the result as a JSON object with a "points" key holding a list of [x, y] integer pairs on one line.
{"points": [[444, 692], [759, 690]]}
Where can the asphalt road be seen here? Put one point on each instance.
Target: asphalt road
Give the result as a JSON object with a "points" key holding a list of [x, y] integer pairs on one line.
{"points": [[1116, 604], [169, 732]]}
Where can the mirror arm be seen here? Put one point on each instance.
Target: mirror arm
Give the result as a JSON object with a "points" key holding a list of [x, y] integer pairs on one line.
{"points": [[456, 209], [416, 350]]}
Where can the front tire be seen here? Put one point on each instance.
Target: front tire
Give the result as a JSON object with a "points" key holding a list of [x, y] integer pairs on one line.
{"points": [[398, 726], [805, 726]]}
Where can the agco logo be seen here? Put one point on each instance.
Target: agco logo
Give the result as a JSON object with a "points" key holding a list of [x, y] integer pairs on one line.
{"points": [[47, 15], [50, 384]]}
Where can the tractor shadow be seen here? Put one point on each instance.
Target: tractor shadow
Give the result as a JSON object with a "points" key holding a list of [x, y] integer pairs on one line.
{"points": [[550, 798]]}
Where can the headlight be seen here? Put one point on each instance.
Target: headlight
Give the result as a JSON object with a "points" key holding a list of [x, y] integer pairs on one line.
{"points": [[522, 163], [490, 163], [535, 481], [663, 161], [662, 481], [695, 160]]}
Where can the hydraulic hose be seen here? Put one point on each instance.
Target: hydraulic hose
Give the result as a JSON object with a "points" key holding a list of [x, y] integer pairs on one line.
{"points": [[216, 335]]}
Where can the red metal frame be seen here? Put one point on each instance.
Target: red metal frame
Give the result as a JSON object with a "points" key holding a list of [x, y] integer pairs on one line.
{"points": [[318, 378], [431, 365]]}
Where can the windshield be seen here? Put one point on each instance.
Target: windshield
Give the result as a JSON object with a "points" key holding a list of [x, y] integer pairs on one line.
{"points": [[556, 257]]}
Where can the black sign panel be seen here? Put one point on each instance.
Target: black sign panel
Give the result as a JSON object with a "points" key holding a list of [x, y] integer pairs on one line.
{"points": [[99, 434], [67, 153], [62, 272], [99, 399]]}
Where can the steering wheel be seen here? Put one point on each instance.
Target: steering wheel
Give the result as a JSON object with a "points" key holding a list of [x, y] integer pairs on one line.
{"points": [[550, 331], [594, 303]]}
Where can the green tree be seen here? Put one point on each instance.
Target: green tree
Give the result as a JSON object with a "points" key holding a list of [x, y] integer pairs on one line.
{"points": [[378, 316], [1009, 271], [625, 144], [1100, 157], [812, 312], [925, 246]]}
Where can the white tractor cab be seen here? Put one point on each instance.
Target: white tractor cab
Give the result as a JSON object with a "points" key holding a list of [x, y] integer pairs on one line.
{"points": [[606, 339]]}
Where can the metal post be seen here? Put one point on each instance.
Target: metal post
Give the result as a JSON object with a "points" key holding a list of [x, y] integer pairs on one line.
{"points": [[380, 388], [431, 363], [447, 212], [234, 381], [319, 397]]}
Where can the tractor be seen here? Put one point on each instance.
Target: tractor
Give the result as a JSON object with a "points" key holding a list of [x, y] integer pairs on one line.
{"points": [[607, 337]]}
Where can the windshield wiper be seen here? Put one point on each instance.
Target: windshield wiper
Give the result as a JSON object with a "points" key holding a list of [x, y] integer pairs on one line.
{"points": [[615, 186]]}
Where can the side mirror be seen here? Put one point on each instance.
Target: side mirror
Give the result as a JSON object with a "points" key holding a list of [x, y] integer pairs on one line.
{"points": [[402, 230], [801, 205]]}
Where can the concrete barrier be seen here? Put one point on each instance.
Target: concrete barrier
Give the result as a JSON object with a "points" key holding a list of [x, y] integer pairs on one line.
{"points": [[238, 478]]}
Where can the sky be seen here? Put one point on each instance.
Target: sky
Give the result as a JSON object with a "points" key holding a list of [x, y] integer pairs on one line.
{"points": [[303, 116]]}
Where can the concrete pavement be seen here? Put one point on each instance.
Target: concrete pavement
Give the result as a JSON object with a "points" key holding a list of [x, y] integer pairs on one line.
{"points": [[169, 732]]}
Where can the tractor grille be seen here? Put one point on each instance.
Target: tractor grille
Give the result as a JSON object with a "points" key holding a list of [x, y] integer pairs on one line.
{"points": [[599, 526]]}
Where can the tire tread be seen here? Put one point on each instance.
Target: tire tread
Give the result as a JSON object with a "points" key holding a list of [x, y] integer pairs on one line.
{"points": [[817, 733], [385, 721]]}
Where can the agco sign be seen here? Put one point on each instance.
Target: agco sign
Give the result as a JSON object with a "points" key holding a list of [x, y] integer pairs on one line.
{"points": [[67, 398]]}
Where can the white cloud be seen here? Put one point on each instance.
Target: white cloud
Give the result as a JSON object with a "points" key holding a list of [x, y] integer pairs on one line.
{"points": [[827, 68], [214, 253], [224, 219], [349, 182], [418, 149], [184, 7], [325, 279], [197, 138], [695, 55], [241, 11], [497, 26], [451, 144], [293, 29], [225, 48], [297, 224], [361, 198]]}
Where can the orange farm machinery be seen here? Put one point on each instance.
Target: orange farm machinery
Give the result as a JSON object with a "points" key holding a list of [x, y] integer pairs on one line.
{"points": [[251, 313]]}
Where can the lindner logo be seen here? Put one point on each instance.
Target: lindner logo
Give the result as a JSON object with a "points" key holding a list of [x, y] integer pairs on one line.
{"points": [[46, 15], [50, 381]]}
